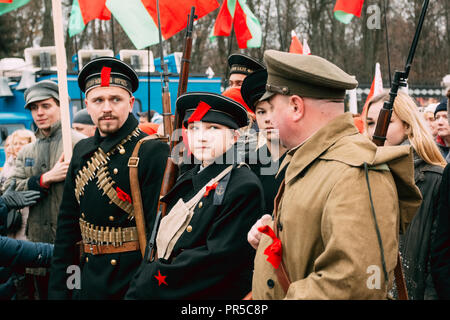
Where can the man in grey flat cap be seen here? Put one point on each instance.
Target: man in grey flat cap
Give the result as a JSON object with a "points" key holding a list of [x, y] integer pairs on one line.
{"points": [[82, 122], [325, 240], [40, 166]]}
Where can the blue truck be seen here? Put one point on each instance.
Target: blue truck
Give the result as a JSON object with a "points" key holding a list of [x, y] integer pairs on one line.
{"points": [[13, 116]]}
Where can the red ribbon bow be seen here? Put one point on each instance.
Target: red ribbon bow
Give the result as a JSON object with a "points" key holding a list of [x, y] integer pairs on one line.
{"points": [[274, 252], [209, 188], [123, 195]]}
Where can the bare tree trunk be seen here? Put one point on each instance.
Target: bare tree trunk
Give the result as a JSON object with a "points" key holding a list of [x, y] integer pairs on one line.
{"points": [[280, 31], [47, 28]]}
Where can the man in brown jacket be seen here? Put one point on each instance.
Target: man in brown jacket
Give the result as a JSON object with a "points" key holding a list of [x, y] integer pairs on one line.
{"points": [[332, 237]]}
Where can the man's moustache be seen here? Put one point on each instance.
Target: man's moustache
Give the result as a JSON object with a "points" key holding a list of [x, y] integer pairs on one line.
{"points": [[107, 116]]}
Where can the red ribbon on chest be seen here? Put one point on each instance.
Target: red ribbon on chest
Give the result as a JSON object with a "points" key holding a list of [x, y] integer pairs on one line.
{"points": [[123, 195], [274, 252], [209, 188]]}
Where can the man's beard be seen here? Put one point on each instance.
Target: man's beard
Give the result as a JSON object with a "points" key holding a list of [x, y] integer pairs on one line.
{"points": [[108, 128]]}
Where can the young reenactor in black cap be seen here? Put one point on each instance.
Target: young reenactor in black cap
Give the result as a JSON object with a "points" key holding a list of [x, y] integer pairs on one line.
{"points": [[266, 159], [338, 212], [241, 66], [202, 252], [97, 207]]}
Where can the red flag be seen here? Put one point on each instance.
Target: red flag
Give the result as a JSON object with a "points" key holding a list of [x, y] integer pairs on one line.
{"points": [[296, 46], [344, 10], [173, 13], [6, 1], [224, 21], [94, 9], [353, 7], [375, 89], [246, 26]]}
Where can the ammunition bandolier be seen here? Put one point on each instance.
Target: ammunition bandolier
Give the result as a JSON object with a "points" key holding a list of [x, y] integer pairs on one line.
{"points": [[97, 209]]}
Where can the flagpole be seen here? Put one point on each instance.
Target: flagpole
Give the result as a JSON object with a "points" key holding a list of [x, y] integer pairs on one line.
{"points": [[78, 69], [61, 63], [230, 47], [148, 78], [167, 114], [387, 43], [112, 35]]}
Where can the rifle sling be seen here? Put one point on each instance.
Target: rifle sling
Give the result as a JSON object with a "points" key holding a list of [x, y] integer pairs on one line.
{"points": [[133, 164], [283, 276]]}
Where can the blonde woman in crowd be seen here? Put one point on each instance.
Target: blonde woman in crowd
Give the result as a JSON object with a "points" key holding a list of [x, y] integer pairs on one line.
{"points": [[408, 126], [19, 139], [13, 144], [9, 161]]}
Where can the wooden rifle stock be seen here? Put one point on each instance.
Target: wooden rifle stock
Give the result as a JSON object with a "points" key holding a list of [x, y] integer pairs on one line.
{"points": [[379, 136], [171, 170]]}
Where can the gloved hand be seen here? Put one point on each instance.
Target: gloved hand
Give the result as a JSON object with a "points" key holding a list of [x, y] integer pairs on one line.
{"points": [[19, 199]]}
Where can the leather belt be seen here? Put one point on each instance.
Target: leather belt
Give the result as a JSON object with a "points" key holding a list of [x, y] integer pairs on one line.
{"points": [[95, 249]]}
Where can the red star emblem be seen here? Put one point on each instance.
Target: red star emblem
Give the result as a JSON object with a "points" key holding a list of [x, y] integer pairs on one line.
{"points": [[161, 278]]}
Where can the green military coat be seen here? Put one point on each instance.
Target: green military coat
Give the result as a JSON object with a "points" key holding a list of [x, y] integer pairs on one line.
{"points": [[329, 241]]}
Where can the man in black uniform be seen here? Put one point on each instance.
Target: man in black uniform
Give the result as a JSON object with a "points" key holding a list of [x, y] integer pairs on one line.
{"points": [[97, 206], [241, 66]]}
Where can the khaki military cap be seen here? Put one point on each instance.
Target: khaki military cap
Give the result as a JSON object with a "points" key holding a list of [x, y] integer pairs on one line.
{"points": [[40, 91], [304, 75]]}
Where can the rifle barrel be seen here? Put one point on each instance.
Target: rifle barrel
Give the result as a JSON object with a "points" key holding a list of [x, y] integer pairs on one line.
{"points": [[412, 51], [400, 80]]}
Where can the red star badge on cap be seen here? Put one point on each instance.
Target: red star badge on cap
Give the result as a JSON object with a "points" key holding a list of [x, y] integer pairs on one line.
{"points": [[161, 278]]}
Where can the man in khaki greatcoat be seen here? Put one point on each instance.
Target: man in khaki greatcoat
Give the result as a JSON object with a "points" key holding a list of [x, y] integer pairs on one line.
{"points": [[328, 233]]}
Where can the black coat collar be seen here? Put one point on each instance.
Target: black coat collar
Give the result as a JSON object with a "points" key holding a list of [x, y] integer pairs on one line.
{"points": [[196, 180], [108, 142]]}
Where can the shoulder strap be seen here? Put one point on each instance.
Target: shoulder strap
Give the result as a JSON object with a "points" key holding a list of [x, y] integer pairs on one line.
{"points": [[281, 272], [398, 271], [133, 163]]}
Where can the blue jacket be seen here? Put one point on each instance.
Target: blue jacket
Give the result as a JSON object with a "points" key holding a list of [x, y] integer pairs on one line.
{"points": [[18, 254], [3, 216]]}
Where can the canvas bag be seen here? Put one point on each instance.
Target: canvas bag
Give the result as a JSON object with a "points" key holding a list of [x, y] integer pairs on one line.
{"points": [[174, 224]]}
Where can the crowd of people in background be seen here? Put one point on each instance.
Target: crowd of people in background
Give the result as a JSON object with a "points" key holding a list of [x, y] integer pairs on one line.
{"points": [[35, 171]]}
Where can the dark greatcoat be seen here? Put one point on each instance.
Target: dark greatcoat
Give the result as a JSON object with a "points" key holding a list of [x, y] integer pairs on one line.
{"points": [[214, 259], [99, 278], [440, 248], [15, 256], [415, 244], [260, 161]]}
